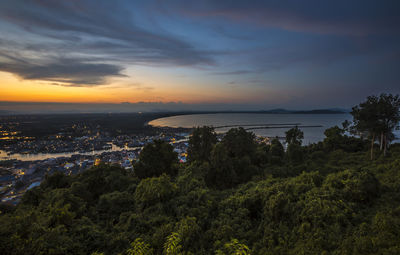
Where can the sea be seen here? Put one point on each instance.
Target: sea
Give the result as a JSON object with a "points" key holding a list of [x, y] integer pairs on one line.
{"points": [[267, 125]]}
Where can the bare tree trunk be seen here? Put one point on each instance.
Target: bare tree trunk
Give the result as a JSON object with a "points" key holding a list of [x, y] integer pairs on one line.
{"points": [[381, 143], [372, 146], [386, 145]]}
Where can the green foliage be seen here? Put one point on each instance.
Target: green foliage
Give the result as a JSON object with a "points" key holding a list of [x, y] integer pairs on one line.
{"points": [[231, 165], [111, 205], [352, 185], [201, 143], [276, 151], [334, 138], [239, 143], [325, 198], [139, 247], [234, 248], [222, 173], [377, 116], [155, 190], [57, 180], [294, 136], [188, 232], [172, 246], [295, 153], [155, 159]]}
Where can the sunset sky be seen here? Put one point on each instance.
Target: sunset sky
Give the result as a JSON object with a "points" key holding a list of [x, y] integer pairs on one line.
{"points": [[215, 54]]}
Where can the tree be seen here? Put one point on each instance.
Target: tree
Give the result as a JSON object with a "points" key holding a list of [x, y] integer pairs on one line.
{"points": [[173, 246], [56, 180], [389, 117], [366, 119], [139, 247], [334, 137], [234, 248], [232, 159], [189, 232], [155, 159], [276, 151], [239, 143], [155, 190], [295, 153], [377, 115], [201, 143], [222, 173], [294, 136]]}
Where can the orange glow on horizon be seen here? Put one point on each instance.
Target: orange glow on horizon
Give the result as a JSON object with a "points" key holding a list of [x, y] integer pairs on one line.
{"points": [[14, 89], [18, 90]]}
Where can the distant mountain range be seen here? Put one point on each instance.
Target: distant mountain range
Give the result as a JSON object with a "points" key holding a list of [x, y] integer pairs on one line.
{"points": [[315, 111], [278, 111]]}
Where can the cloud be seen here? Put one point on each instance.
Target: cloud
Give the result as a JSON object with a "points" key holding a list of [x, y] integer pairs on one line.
{"points": [[236, 72], [103, 25], [82, 43], [89, 43], [339, 17], [61, 71]]}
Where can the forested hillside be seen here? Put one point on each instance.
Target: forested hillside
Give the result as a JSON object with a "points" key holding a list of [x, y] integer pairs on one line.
{"points": [[233, 197]]}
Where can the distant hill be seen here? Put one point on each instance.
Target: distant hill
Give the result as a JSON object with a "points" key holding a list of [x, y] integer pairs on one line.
{"points": [[315, 111], [323, 111], [272, 111], [279, 111]]}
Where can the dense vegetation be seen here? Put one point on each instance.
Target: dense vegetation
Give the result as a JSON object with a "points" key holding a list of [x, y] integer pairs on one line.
{"points": [[234, 196], [323, 198]]}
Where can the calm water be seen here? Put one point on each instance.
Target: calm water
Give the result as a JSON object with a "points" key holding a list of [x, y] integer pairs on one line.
{"points": [[311, 134]]}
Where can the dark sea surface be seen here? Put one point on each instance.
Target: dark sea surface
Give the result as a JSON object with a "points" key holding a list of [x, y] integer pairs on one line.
{"points": [[276, 124]]}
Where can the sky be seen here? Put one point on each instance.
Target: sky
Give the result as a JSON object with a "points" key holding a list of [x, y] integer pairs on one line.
{"points": [[196, 55]]}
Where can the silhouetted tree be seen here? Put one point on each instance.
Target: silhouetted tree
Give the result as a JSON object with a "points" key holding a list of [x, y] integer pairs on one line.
{"points": [[276, 151], [294, 136], [239, 143], [295, 153], [334, 138], [201, 143], [221, 174], [377, 115], [389, 117], [155, 159]]}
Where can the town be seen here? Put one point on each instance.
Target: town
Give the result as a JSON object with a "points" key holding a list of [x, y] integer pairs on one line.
{"points": [[73, 143], [21, 174]]}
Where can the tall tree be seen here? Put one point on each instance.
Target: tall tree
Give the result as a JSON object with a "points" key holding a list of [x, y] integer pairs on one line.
{"points": [[276, 151], [334, 138], [366, 119], [201, 143], [377, 116], [294, 136], [239, 142], [389, 117], [155, 159]]}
